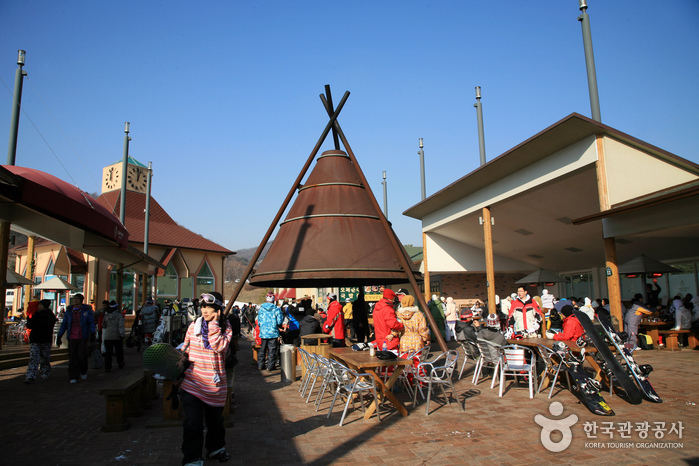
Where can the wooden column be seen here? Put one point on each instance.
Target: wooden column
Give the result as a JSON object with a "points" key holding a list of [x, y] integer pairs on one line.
{"points": [[426, 274], [489, 263], [30, 272], [613, 282]]}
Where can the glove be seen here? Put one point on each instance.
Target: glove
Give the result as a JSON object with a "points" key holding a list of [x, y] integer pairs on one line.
{"points": [[58, 341], [93, 337]]}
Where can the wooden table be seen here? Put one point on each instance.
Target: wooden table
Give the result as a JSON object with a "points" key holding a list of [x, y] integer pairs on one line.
{"points": [[534, 343], [653, 327], [362, 362]]}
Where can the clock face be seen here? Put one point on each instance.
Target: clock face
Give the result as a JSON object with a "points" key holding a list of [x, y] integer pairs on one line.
{"points": [[136, 179], [111, 179]]}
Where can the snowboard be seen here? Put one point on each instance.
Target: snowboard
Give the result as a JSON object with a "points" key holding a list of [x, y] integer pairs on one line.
{"points": [[163, 359], [608, 362], [639, 373], [587, 389]]}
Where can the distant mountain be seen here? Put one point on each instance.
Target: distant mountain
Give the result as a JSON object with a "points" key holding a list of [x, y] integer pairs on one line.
{"points": [[244, 255]]}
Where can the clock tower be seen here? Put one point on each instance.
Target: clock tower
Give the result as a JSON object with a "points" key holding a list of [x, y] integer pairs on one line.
{"points": [[136, 176]]}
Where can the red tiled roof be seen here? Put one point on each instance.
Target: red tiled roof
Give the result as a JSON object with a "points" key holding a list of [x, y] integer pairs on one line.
{"points": [[163, 230]]}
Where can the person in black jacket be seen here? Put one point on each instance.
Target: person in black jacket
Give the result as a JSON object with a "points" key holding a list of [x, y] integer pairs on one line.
{"points": [[40, 339], [309, 324]]}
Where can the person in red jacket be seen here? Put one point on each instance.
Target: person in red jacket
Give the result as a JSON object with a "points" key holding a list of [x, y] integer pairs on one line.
{"points": [[525, 304], [335, 321], [572, 328], [386, 325]]}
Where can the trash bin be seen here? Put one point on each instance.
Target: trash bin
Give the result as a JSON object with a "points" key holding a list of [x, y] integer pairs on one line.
{"points": [[288, 356]]}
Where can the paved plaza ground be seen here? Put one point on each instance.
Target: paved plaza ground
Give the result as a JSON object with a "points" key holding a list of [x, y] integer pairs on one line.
{"points": [[54, 423]]}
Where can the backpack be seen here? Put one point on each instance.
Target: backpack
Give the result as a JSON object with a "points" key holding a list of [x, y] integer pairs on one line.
{"points": [[645, 342]]}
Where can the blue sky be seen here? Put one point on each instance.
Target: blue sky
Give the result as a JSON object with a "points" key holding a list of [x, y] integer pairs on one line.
{"points": [[223, 96]]}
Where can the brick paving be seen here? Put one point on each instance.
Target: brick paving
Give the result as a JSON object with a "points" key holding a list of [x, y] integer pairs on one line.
{"points": [[54, 423]]}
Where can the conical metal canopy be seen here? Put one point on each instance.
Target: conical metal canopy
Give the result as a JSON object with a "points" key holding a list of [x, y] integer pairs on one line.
{"points": [[645, 264], [332, 235]]}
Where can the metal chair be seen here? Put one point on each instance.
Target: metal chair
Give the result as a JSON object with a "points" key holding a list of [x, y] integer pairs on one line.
{"points": [[421, 356], [490, 356], [327, 375], [350, 382], [471, 354], [318, 371], [553, 368], [431, 373], [514, 362], [308, 362], [17, 332]]}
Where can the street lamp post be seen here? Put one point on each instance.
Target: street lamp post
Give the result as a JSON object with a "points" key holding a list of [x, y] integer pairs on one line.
{"points": [[124, 168], [590, 62], [421, 153], [11, 152], [16, 106], [479, 116], [385, 195]]}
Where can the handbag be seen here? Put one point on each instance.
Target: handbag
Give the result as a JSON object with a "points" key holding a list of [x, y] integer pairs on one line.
{"points": [[386, 355]]}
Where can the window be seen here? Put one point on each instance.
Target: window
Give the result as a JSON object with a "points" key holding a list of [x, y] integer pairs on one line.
{"points": [[205, 279], [580, 285], [50, 267], [167, 284]]}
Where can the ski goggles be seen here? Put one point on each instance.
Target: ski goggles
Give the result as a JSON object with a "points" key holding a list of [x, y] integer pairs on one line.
{"points": [[207, 298]]}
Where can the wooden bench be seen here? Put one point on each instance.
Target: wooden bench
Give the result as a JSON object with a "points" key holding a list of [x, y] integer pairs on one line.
{"points": [[672, 339], [127, 398]]}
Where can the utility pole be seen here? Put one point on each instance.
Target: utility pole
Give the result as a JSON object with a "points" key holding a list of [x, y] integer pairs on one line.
{"points": [[11, 152], [479, 116], [385, 195], [421, 153], [590, 62]]}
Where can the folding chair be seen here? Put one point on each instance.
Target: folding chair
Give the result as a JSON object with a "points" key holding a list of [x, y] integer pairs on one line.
{"points": [[514, 362], [430, 373]]}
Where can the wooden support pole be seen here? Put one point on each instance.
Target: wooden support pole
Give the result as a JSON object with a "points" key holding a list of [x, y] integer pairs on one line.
{"points": [[612, 271], [613, 282], [426, 274], [489, 263], [30, 272]]}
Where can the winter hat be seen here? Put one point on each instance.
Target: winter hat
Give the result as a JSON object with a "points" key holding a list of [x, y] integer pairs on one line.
{"points": [[113, 305], [348, 300], [407, 301], [588, 302], [389, 294], [434, 297], [331, 296], [269, 297], [402, 291], [567, 310], [545, 292]]}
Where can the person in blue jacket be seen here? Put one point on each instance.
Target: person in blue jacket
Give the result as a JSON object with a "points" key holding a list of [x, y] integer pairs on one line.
{"points": [[79, 324], [270, 319]]}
